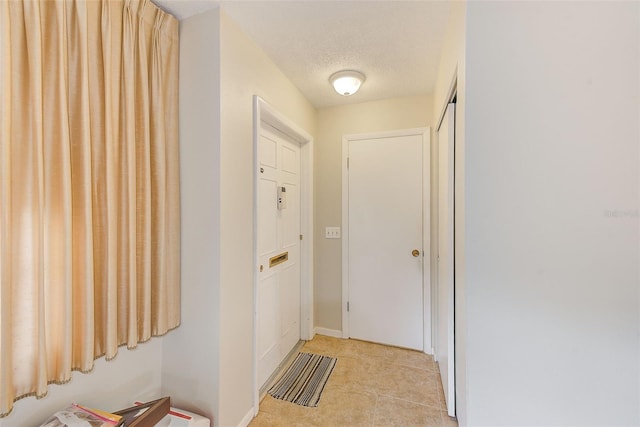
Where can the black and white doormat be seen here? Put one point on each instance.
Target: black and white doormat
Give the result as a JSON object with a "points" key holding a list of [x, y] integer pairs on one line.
{"points": [[304, 380]]}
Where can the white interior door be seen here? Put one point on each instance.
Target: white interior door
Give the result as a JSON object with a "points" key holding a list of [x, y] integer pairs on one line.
{"points": [[278, 249], [385, 248], [445, 355]]}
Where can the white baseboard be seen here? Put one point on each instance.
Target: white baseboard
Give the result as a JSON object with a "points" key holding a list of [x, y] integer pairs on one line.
{"points": [[247, 418], [328, 332]]}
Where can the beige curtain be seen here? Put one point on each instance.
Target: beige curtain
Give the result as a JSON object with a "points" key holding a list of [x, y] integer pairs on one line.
{"points": [[89, 190]]}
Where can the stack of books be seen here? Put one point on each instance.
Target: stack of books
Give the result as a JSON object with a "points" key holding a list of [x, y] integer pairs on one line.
{"points": [[80, 416]]}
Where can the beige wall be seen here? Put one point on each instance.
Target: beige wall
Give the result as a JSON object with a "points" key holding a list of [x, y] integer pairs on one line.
{"points": [[451, 64], [333, 123], [245, 71]]}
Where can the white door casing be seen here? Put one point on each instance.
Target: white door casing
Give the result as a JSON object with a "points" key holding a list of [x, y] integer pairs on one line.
{"points": [[266, 117], [445, 349], [384, 199], [278, 293]]}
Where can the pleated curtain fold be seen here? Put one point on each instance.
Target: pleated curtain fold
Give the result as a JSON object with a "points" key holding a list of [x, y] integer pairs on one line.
{"points": [[89, 185]]}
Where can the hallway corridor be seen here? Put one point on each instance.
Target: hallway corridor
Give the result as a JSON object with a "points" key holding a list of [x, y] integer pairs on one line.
{"points": [[371, 385]]}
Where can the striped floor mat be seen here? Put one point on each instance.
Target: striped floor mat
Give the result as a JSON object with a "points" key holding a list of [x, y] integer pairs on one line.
{"points": [[304, 380]]}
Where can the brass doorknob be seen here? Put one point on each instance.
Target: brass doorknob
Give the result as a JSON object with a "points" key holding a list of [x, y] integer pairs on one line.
{"points": [[415, 253]]}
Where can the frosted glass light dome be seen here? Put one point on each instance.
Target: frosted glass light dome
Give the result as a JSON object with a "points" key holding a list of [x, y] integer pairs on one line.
{"points": [[346, 82]]}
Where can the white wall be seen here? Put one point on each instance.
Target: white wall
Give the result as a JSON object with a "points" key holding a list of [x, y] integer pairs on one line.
{"points": [[191, 364], [245, 71], [551, 224], [132, 375], [333, 123]]}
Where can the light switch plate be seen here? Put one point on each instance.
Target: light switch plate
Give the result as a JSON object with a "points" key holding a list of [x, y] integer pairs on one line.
{"points": [[332, 232]]}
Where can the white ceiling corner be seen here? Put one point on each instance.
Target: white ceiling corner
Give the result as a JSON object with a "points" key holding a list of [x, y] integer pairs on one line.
{"points": [[396, 44], [182, 9]]}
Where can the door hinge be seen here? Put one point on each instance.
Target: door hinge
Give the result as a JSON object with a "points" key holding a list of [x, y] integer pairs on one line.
{"points": [[347, 305], [347, 163], [301, 237]]}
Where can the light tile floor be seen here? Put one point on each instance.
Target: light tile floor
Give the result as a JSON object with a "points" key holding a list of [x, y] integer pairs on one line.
{"points": [[371, 385]]}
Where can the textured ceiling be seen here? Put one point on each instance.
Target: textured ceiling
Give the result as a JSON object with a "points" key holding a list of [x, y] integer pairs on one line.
{"points": [[396, 44]]}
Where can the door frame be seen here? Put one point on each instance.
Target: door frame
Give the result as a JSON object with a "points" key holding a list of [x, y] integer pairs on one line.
{"points": [[425, 132], [263, 112]]}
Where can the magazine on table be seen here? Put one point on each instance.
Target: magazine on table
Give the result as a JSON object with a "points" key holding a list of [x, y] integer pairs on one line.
{"points": [[79, 416]]}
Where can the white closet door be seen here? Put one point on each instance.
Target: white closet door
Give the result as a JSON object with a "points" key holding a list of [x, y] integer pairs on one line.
{"points": [[445, 353]]}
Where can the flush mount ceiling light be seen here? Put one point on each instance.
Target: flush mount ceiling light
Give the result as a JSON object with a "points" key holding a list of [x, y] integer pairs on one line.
{"points": [[346, 82]]}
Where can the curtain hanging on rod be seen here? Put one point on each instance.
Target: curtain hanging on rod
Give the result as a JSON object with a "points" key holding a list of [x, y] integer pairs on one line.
{"points": [[89, 186]]}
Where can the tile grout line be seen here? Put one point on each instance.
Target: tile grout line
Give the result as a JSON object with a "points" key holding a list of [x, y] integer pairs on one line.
{"points": [[375, 412], [439, 408]]}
